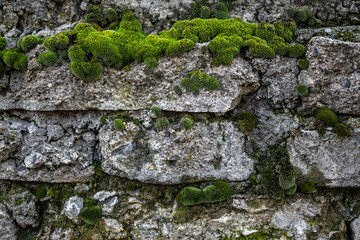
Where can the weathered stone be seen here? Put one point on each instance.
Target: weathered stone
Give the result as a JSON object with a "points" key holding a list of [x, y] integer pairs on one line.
{"points": [[55, 88], [330, 63], [334, 161], [22, 203], [114, 228], [73, 207], [7, 226], [210, 150], [29, 153], [279, 75], [355, 228]]}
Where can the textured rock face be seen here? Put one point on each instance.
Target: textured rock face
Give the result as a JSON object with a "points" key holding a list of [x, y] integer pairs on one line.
{"points": [[279, 76], [336, 159], [355, 228], [333, 76], [24, 210], [48, 147], [210, 150], [7, 226], [56, 88]]}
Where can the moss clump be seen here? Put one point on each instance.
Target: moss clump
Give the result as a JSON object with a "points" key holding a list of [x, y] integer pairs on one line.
{"points": [[150, 62], [77, 54], [205, 12], [297, 50], [225, 47], [220, 191], [302, 17], [29, 42], [247, 122], [177, 90], [111, 15], [87, 71], [191, 196], [95, 15], [2, 43], [89, 203], [57, 42], [65, 54], [307, 187], [102, 18], [161, 124], [326, 116], [91, 215], [119, 125], [302, 89], [15, 59], [262, 51], [48, 58], [176, 48], [40, 193], [341, 130], [221, 11], [186, 122], [277, 174], [303, 63], [197, 79], [156, 110]]}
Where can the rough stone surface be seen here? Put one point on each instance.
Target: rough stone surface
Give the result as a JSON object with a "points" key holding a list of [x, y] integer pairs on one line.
{"points": [[72, 207], [330, 63], [355, 228], [22, 203], [31, 152], [279, 76], [115, 228], [7, 226], [335, 158], [55, 88], [210, 150]]}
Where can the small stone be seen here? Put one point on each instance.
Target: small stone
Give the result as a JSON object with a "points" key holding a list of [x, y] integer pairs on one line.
{"points": [[54, 132], [103, 195], [346, 83], [34, 160], [73, 207]]}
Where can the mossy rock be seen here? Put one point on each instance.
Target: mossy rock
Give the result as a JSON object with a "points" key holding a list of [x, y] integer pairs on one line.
{"points": [[247, 122], [48, 58], [91, 215], [326, 116]]}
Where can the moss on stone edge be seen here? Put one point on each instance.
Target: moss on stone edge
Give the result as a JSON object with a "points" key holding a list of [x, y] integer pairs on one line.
{"points": [[127, 43], [220, 191], [247, 122], [161, 124], [197, 80], [91, 214], [119, 124], [48, 58], [302, 89]]}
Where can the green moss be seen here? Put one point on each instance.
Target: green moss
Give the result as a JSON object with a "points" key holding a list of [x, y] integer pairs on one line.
{"points": [[186, 122], [302, 89], [95, 15], [177, 90], [307, 187], [277, 174], [40, 193], [29, 42], [91, 215], [65, 54], [77, 54], [205, 12], [303, 63], [221, 11], [15, 59], [60, 191], [285, 30], [156, 110], [326, 116], [2, 43], [119, 125], [220, 191], [191, 196], [297, 50], [111, 15], [161, 124], [262, 51], [150, 62], [48, 58], [176, 48], [302, 17], [225, 47], [247, 122], [87, 71], [98, 170], [197, 80], [89, 203], [169, 194], [341, 130], [57, 42]]}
